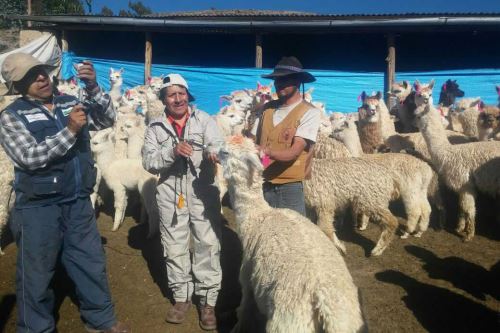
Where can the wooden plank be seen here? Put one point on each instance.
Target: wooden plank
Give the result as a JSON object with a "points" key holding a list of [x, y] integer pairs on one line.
{"points": [[64, 41], [148, 58], [391, 66], [258, 51]]}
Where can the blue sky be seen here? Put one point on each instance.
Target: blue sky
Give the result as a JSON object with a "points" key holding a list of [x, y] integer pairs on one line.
{"points": [[316, 6]]}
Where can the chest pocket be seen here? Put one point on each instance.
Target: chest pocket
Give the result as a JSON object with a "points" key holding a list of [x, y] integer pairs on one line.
{"points": [[42, 128]]}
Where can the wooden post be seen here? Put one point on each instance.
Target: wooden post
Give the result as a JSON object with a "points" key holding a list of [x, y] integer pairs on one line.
{"points": [[258, 51], [29, 13], [391, 67], [64, 41], [64, 47], [148, 58]]}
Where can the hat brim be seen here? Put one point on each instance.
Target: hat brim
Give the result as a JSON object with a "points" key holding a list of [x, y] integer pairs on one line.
{"points": [[304, 77], [10, 85]]}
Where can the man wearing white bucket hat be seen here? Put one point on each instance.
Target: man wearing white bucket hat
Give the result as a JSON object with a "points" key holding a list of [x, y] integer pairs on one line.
{"points": [[47, 138], [180, 147]]}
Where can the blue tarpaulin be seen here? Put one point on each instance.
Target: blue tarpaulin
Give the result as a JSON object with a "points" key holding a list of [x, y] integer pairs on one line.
{"points": [[339, 90]]}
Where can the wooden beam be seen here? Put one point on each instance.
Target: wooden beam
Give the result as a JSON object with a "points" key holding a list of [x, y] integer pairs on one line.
{"points": [[258, 51], [391, 67], [148, 58]]}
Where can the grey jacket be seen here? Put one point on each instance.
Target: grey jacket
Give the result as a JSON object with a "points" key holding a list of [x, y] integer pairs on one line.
{"points": [[194, 178]]}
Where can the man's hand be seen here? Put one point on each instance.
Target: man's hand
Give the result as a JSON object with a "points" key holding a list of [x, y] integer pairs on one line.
{"points": [[212, 157], [77, 119], [86, 73], [183, 149]]}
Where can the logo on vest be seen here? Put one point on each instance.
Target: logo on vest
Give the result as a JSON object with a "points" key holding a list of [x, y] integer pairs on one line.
{"points": [[36, 117], [67, 111]]}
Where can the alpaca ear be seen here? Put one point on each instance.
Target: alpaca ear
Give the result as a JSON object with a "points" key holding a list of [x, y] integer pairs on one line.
{"points": [[431, 84], [227, 98], [111, 70], [259, 85], [416, 86], [406, 84], [362, 97], [121, 70], [378, 95]]}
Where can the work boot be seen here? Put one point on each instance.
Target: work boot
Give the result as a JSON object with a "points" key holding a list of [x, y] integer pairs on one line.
{"points": [[118, 327], [208, 322], [177, 313]]}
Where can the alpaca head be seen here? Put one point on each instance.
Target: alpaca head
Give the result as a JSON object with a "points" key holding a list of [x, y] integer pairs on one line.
{"points": [[449, 92], [263, 93], [369, 111], [102, 141], [489, 118], [131, 126], [466, 104], [231, 116], [343, 129], [155, 83], [400, 90], [241, 100], [423, 93], [115, 77], [67, 87], [240, 161]]}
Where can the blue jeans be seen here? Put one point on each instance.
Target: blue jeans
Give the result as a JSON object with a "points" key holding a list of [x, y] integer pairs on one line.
{"points": [[290, 195], [41, 234]]}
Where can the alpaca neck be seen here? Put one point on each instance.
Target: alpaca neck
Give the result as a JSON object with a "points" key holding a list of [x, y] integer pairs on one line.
{"points": [[105, 157], [352, 142], [245, 200], [386, 124], [116, 87], [432, 130]]}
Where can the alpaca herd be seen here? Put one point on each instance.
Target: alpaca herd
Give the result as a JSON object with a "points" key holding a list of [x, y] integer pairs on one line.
{"points": [[362, 162]]}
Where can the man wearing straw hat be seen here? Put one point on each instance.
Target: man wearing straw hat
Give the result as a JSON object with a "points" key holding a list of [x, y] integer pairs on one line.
{"points": [[286, 133], [47, 138]]}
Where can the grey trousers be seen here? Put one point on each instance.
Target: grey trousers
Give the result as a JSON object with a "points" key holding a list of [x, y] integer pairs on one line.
{"points": [[290, 195], [204, 230]]}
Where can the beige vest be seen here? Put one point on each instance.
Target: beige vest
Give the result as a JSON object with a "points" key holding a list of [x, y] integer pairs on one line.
{"points": [[280, 137]]}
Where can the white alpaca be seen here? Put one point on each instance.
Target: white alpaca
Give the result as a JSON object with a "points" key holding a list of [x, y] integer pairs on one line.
{"points": [[412, 175], [116, 82], [362, 185], [134, 130], [230, 121], [290, 272], [466, 168], [125, 175], [7, 195], [466, 112]]}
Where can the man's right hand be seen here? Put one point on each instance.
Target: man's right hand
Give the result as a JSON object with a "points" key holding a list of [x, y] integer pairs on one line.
{"points": [[183, 149], [77, 119]]}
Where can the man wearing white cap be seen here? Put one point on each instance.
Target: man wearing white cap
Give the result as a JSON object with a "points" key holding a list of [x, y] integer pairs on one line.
{"points": [[180, 147], [47, 138]]}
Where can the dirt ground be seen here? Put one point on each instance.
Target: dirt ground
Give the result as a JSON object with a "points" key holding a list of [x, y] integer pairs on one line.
{"points": [[436, 283]]}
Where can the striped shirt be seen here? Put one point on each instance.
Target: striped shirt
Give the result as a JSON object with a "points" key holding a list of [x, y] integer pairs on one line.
{"points": [[28, 154]]}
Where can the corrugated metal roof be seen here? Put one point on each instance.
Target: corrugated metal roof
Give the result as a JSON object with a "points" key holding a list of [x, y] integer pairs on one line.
{"points": [[295, 14]]}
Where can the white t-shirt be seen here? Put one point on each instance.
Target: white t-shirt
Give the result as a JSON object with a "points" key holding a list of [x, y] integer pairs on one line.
{"points": [[309, 123]]}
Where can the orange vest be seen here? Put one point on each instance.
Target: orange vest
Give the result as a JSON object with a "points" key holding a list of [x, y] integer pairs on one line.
{"points": [[280, 137]]}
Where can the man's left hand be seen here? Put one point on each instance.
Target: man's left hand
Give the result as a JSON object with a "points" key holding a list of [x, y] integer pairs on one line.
{"points": [[86, 73]]}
